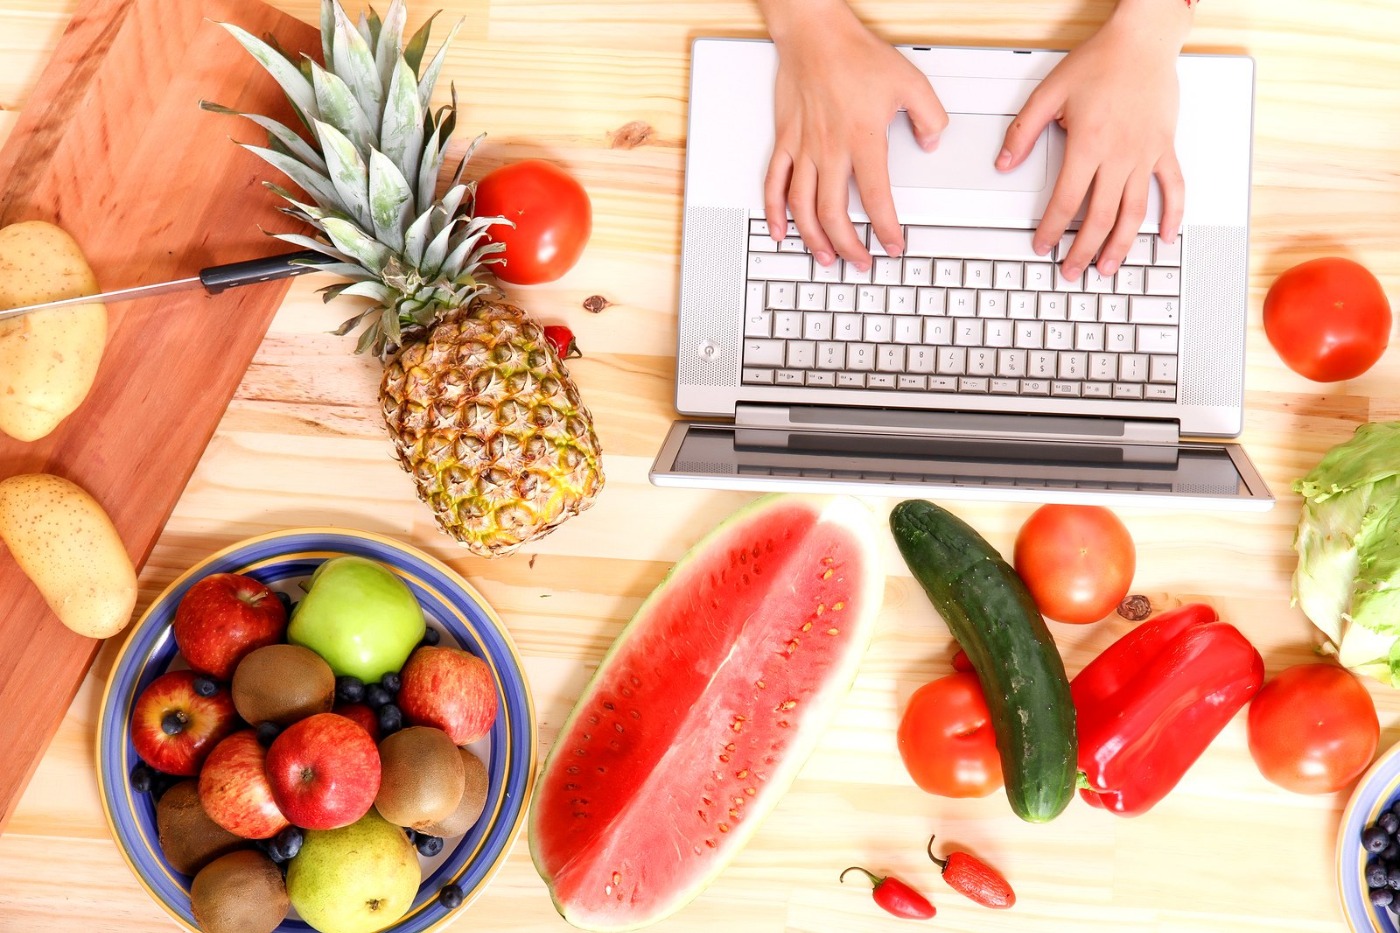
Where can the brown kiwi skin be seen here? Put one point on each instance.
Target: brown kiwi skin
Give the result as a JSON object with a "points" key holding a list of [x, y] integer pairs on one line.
{"points": [[242, 892], [281, 684], [422, 777], [189, 839], [472, 804]]}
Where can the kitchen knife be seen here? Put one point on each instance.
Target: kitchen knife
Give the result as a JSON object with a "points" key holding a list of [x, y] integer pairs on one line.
{"points": [[213, 280]]}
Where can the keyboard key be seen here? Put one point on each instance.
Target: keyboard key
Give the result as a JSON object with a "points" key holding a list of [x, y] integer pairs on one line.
{"points": [[900, 300], [821, 378], [1097, 283], [962, 302], [1074, 365], [782, 295], [846, 326], [1132, 367], [932, 301], [1113, 309], [967, 332], [801, 354], [1063, 284], [952, 361], [1053, 306], [758, 226], [1127, 390], [860, 356], [1096, 389], [1005, 386], [850, 380], [1140, 253], [890, 359], [916, 383], [1155, 311], [1103, 367], [975, 242], [1063, 247], [981, 362], [1129, 280], [787, 325], [942, 384], [827, 274], [1007, 275], [921, 360], [1120, 338], [1020, 305], [887, 271], [831, 355], [1040, 276], [967, 384], [880, 381], [1162, 369], [947, 273], [811, 297], [977, 273], [998, 333], [1035, 387], [792, 245], [879, 328], [1030, 335], [1168, 254], [816, 325], [790, 377], [758, 324], [870, 298], [1064, 389], [780, 267], [758, 376], [764, 352], [908, 329], [1163, 281], [1083, 308], [1088, 336], [762, 244], [1156, 339], [840, 297], [938, 331], [1059, 336], [1159, 393], [991, 303], [1011, 363], [918, 272], [853, 276], [1040, 365]]}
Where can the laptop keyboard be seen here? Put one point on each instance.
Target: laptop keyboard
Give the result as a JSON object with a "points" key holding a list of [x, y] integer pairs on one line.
{"points": [[964, 310]]}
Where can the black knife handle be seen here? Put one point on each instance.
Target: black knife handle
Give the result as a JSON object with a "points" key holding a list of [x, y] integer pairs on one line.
{"points": [[250, 271]]}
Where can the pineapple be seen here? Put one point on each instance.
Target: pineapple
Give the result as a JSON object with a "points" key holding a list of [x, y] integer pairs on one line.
{"points": [[481, 411]]}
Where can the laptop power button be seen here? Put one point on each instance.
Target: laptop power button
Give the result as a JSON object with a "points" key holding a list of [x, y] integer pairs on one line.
{"points": [[707, 351]]}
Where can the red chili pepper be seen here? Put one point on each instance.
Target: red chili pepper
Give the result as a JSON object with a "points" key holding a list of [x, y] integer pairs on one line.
{"points": [[896, 896], [961, 664], [562, 340], [973, 877], [1148, 706]]}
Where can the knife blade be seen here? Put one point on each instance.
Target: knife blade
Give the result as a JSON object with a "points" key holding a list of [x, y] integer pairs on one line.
{"points": [[213, 280]]}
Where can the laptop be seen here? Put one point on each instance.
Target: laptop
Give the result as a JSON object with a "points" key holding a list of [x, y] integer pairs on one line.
{"points": [[967, 368]]}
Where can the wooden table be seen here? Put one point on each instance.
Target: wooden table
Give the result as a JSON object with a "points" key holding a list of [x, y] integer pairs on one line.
{"points": [[601, 87]]}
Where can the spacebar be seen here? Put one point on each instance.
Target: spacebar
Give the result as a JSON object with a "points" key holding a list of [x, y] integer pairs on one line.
{"points": [[970, 242]]}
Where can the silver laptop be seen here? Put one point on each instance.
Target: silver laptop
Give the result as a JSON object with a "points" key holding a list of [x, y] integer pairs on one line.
{"points": [[967, 368]]}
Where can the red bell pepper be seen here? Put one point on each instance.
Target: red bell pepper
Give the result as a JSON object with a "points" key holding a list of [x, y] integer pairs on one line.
{"points": [[1150, 704]]}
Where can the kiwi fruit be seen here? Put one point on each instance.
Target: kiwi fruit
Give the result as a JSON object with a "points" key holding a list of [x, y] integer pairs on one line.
{"points": [[421, 777], [473, 801], [242, 892], [188, 837], [281, 684]]}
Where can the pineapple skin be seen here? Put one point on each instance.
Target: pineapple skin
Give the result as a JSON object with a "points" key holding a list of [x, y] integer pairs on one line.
{"points": [[486, 420]]}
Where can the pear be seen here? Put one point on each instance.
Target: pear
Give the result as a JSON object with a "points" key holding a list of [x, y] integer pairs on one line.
{"points": [[356, 879]]}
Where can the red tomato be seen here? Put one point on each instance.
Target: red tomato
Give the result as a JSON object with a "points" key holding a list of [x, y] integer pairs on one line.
{"points": [[1328, 319], [1077, 561], [552, 214], [946, 739], [1313, 729]]}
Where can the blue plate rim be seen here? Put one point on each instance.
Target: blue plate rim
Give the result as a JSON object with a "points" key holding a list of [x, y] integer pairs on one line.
{"points": [[528, 759], [1378, 787]]}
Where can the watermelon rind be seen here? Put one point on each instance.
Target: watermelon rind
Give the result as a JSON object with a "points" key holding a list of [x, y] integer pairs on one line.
{"points": [[850, 521]]}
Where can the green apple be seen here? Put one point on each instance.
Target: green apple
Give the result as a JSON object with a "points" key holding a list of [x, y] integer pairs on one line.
{"points": [[359, 616], [355, 879]]}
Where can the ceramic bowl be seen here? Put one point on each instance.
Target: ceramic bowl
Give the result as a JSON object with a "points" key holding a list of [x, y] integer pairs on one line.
{"points": [[1378, 789], [282, 560]]}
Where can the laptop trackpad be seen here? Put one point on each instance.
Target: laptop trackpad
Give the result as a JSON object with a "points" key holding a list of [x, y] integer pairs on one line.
{"points": [[964, 157]]}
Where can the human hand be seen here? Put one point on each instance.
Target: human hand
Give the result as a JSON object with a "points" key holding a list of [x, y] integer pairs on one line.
{"points": [[1116, 97], [838, 88]]}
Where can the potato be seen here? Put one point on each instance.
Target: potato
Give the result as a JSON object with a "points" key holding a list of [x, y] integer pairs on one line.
{"points": [[48, 359], [68, 546]]}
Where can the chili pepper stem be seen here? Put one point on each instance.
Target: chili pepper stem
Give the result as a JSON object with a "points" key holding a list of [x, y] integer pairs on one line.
{"points": [[870, 875], [942, 862]]}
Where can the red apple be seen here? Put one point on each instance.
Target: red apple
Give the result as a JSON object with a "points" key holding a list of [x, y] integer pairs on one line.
{"points": [[174, 728], [234, 790], [361, 715], [222, 618], [324, 771], [451, 689]]}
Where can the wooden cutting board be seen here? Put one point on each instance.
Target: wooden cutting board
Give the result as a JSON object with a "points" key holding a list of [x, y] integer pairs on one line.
{"points": [[113, 147]]}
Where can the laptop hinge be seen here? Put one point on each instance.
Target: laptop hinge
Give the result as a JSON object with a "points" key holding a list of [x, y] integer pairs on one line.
{"points": [[832, 419]]}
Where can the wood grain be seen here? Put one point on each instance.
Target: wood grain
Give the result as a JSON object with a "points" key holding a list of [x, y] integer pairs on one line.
{"points": [[112, 147], [301, 443]]}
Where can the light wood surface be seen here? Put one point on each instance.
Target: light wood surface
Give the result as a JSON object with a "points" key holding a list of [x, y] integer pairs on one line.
{"points": [[301, 443]]}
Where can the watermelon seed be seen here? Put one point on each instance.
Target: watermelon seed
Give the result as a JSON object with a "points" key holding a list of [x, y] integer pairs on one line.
{"points": [[607, 889], [711, 843], [571, 787], [837, 607], [580, 752], [806, 626], [627, 692], [635, 714], [697, 849], [756, 551], [742, 773], [723, 827], [588, 736], [760, 775], [739, 801], [734, 814], [617, 726], [760, 685], [821, 607], [782, 723], [636, 681], [738, 724], [593, 720], [572, 769], [833, 631], [729, 747], [701, 814], [743, 557], [617, 878], [602, 770], [746, 579], [792, 645], [608, 705], [615, 745], [707, 801], [785, 705], [750, 791], [828, 560], [723, 757], [828, 574]]}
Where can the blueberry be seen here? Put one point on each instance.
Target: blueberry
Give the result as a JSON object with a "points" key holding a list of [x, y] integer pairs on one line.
{"points": [[412, 836], [450, 896], [390, 718], [376, 696], [267, 731], [1382, 897], [205, 686], [285, 600], [1374, 839], [428, 845], [431, 637], [142, 778], [1376, 875], [349, 689], [1391, 853], [1392, 877], [392, 682], [288, 843]]}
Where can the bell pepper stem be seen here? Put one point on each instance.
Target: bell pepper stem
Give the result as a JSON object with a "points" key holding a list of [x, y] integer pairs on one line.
{"points": [[873, 880]]}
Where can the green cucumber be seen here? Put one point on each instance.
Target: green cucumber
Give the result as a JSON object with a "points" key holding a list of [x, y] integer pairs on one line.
{"points": [[995, 621]]}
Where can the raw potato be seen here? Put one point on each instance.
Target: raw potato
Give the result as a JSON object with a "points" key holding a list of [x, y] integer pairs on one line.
{"points": [[68, 546], [48, 359]]}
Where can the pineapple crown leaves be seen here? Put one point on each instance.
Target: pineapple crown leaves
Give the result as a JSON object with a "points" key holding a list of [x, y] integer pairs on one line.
{"points": [[369, 163]]}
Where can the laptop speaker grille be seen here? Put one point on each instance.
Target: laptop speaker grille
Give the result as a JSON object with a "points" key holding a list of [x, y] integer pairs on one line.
{"points": [[714, 251], [1214, 307]]}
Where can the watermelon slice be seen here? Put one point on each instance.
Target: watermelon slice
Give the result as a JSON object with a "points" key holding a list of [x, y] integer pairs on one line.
{"points": [[704, 710]]}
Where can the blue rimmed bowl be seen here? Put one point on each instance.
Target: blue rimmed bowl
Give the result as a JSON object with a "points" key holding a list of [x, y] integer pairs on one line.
{"points": [[282, 560], [1378, 789]]}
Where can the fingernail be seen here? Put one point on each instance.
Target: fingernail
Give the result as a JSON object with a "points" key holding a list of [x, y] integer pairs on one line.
{"points": [[1004, 159], [929, 143], [862, 265], [893, 249], [1108, 267], [1040, 248], [1071, 272], [1170, 236], [777, 231], [824, 258]]}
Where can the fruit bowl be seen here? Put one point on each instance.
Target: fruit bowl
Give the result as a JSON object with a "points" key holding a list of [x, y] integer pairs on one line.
{"points": [[1378, 789], [282, 560]]}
